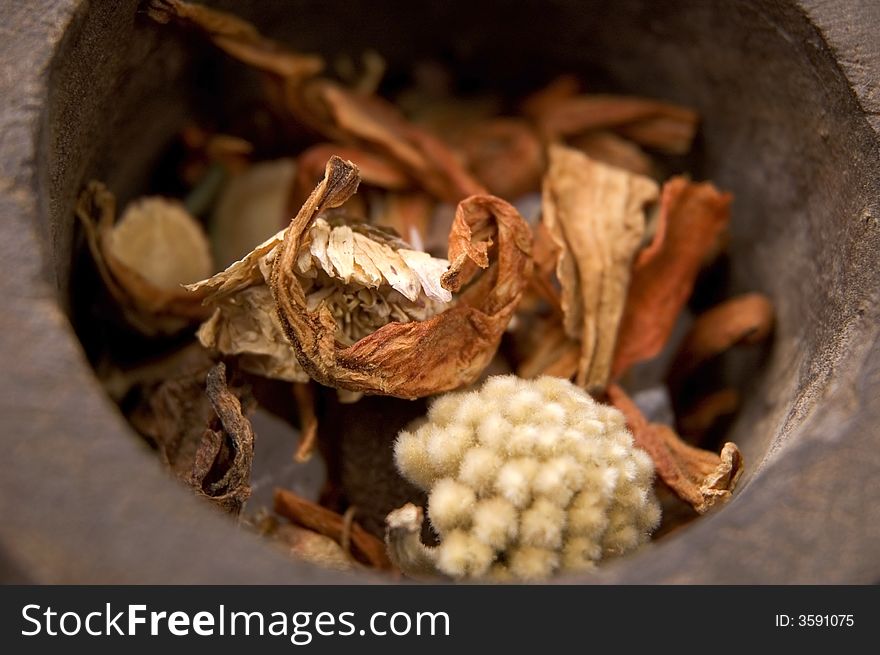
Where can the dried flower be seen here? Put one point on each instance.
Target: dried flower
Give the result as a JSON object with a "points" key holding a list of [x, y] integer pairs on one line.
{"points": [[352, 301], [362, 276], [146, 256], [525, 478]]}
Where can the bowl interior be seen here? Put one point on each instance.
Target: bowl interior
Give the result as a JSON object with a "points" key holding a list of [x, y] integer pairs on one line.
{"points": [[779, 129]]}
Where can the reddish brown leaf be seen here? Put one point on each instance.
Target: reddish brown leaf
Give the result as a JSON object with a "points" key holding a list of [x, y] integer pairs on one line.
{"points": [[692, 218]]}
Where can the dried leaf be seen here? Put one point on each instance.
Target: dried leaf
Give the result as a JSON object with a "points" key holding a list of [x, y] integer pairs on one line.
{"points": [[237, 38], [596, 215], [418, 358], [222, 467], [377, 123], [504, 154], [253, 206], [614, 150], [746, 319], [698, 477], [664, 126], [543, 100], [144, 258], [692, 218], [366, 548]]}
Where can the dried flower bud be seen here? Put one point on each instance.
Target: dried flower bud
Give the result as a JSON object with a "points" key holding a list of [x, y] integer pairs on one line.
{"points": [[525, 478]]}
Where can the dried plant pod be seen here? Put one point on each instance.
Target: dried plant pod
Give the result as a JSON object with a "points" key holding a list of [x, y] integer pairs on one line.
{"points": [[660, 125], [146, 256], [222, 467], [746, 319], [596, 215], [252, 207], [692, 218], [419, 358], [699, 477], [238, 38], [365, 547]]}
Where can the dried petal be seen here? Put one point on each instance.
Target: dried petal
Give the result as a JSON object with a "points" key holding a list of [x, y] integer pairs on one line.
{"points": [[692, 218], [146, 256], [746, 319], [411, 359], [698, 477], [237, 38], [504, 154], [652, 123], [614, 150], [365, 546], [596, 215]]}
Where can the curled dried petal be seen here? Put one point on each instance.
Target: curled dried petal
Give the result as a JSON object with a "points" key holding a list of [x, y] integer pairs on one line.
{"points": [[699, 477]]}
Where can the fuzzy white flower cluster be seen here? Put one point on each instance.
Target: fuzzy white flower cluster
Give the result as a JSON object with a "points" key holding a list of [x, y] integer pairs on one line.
{"points": [[527, 478]]}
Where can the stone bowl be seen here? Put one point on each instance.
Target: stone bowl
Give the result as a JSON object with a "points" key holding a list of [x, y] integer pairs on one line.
{"points": [[789, 92]]}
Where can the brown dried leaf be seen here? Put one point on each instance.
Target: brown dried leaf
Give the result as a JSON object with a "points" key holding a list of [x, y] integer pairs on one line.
{"points": [[652, 123], [146, 256], [614, 150], [697, 476], [554, 353], [504, 154], [746, 319], [696, 420], [543, 100], [222, 467], [376, 123], [366, 548], [237, 38], [692, 218], [596, 215], [414, 359]]}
